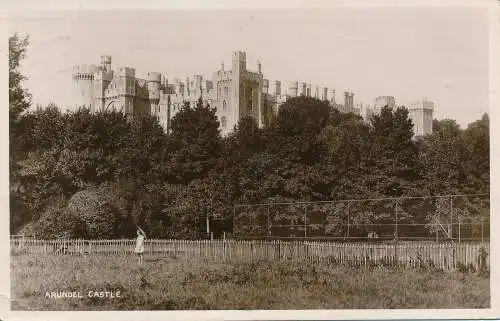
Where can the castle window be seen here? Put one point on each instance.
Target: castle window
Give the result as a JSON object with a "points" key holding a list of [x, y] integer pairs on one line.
{"points": [[224, 105], [250, 104], [226, 91], [223, 122]]}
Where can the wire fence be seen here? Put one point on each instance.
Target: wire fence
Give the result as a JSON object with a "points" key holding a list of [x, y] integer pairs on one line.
{"points": [[448, 257], [456, 218]]}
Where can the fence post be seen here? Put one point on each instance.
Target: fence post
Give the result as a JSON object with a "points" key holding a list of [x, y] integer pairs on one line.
{"points": [[482, 234], [396, 235], [451, 218], [305, 222], [348, 218], [234, 220], [268, 219], [459, 223], [396, 222], [437, 231]]}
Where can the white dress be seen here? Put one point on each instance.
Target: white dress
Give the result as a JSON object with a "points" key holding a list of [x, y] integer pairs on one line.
{"points": [[139, 244]]}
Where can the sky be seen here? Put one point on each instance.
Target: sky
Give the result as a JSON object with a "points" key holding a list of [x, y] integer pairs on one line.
{"points": [[438, 53]]}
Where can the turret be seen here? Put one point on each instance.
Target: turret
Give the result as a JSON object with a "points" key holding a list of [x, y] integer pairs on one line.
{"points": [[324, 93], [239, 61], [265, 86], [154, 82], [302, 89], [106, 62], [276, 88], [187, 87], [83, 87], [292, 88], [331, 96]]}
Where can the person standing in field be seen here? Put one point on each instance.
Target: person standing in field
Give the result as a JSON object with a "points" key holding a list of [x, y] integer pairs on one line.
{"points": [[139, 243]]}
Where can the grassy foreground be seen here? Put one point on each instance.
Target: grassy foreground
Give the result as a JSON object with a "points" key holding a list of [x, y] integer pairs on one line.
{"points": [[164, 283]]}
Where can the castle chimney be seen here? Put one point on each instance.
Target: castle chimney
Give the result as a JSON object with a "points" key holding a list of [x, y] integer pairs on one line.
{"points": [[259, 67]]}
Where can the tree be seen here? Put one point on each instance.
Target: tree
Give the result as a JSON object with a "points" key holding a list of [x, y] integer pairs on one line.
{"points": [[345, 163], [19, 98], [393, 154], [19, 102], [144, 150], [444, 157], [294, 133], [477, 142], [194, 143]]}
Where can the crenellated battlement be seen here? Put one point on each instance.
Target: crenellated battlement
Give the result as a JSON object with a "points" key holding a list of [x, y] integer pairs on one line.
{"points": [[234, 92]]}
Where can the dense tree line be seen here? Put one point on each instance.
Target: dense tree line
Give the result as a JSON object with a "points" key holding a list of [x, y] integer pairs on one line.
{"points": [[79, 174]]}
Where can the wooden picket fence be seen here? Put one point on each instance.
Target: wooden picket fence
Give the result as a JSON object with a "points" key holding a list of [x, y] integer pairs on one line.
{"points": [[446, 256]]}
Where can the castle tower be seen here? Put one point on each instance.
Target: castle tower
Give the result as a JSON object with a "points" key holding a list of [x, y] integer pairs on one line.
{"points": [[265, 86], [421, 114], [154, 85], [324, 93], [196, 91], [302, 89], [164, 82], [331, 97], [292, 88], [276, 88], [83, 87], [382, 101], [238, 69], [346, 100], [106, 62], [187, 87]]}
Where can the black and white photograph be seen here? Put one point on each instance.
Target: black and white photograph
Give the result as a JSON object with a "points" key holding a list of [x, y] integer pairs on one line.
{"points": [[272, 158]]}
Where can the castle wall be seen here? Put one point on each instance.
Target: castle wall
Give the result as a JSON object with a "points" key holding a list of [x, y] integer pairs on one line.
{"points": [[234, 93]]}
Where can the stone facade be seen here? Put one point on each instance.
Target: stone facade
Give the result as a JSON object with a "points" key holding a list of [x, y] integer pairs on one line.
{"points": [[420, 112], [234, 93]]}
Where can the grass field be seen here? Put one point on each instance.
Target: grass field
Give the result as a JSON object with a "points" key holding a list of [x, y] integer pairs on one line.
{"points": [[165, 283]]}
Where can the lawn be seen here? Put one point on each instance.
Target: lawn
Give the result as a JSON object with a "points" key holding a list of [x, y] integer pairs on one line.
{"points": [[167, 283]]}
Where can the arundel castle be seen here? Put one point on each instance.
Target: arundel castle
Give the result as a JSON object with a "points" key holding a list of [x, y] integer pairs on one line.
{"points": [[234, 93]]}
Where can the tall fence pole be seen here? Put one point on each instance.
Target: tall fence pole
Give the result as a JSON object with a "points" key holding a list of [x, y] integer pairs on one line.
{"points": [[348, 218], [268, 219], [396, 233], [436, 229], [459, 226], [451, 218], [396, 222], [305, 221], [482, 234], [234, 220]]}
